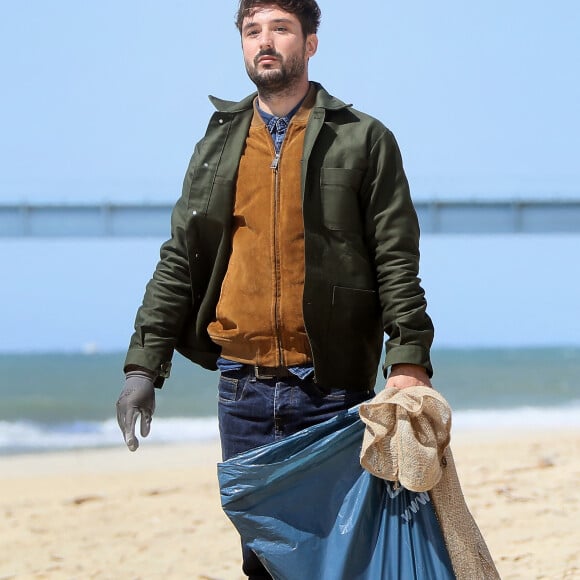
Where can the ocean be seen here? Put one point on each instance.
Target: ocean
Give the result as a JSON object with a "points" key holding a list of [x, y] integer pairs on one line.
{"points": [[60, 401]]}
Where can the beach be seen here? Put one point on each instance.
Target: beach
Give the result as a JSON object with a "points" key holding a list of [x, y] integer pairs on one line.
{"points": [[110, 514]]}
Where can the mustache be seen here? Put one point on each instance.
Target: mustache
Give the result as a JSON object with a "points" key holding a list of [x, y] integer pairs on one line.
{"points": [[267, 52]]}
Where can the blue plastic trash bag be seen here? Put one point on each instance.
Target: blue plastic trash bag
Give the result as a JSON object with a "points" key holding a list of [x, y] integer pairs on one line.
{"points": [[308, 510]]}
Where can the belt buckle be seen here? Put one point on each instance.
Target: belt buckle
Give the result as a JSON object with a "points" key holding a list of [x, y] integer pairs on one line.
{"points": [[261, 376]]}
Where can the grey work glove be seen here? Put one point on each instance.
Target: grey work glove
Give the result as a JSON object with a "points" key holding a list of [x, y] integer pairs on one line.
{"points": [[136, 398]]}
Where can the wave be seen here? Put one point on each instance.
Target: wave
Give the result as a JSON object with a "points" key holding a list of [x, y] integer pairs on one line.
{"points": [[26, 437], [518, 418]]}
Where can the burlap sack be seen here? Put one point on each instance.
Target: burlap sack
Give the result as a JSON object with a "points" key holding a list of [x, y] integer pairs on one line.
{"points": [[406, 440], [407, 431]]}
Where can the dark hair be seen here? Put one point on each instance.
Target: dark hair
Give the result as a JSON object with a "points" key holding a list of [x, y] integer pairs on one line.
{"points": [[307, 11]]}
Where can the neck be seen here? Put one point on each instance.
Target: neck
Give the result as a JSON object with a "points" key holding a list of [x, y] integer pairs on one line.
{"points": [[280, 103]]}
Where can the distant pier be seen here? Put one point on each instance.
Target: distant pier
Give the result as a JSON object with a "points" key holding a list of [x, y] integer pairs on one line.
{"points": [[151, 220]]}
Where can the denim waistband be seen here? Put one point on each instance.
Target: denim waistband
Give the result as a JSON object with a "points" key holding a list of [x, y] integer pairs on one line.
{"points": [[300, 371]]}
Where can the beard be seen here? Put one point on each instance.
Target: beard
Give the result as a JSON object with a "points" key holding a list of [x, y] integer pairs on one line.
{"points": [[277, 80]]}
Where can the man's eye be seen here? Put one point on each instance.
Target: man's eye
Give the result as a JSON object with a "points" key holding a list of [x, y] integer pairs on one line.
{"points": [[281, 29]]}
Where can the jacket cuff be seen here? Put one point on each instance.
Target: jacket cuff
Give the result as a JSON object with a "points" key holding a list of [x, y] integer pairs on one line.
{"points": [[410, 354], [159, 366]]}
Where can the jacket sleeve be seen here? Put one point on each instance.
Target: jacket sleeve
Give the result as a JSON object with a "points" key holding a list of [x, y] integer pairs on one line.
{"points": [[392, 236], [168, 297]]}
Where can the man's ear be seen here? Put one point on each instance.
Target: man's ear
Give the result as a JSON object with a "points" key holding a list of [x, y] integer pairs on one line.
{"points": [[311, 45]]}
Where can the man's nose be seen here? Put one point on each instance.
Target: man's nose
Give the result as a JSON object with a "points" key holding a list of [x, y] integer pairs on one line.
{"points": [[266, 40]]}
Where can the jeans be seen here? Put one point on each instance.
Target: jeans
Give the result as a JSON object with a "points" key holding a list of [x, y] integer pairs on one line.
{"points": [[254, 412]]}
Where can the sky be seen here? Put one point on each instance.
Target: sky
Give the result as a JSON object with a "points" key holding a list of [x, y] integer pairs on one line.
{"points": [[104, 101]]}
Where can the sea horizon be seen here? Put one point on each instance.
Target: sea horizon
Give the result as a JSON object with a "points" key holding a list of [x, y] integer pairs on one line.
{"points": [[66, 400]]}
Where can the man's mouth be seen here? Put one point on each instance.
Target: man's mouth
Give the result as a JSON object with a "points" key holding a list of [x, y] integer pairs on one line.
{"points": [[266, 58]]}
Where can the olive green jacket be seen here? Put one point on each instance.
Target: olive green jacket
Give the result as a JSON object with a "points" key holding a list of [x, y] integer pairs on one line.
{"points": [[361, 250]]}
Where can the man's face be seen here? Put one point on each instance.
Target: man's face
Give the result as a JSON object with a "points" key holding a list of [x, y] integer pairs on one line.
{"points": [[275, 50]]}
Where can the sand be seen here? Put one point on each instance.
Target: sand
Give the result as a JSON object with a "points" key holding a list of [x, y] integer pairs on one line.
{"points": [[156, 513]]}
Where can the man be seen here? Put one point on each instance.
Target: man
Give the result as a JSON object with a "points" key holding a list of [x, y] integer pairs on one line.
{"points": [[294, 249]]}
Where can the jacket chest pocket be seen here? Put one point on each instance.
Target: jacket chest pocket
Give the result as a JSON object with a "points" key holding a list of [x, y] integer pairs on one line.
{"points": [[339, 198]]}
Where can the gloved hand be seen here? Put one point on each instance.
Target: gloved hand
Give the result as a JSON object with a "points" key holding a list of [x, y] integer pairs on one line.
{"points": [[136, 398]]}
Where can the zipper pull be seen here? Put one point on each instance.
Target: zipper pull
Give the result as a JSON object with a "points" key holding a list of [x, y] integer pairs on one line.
{"points": [[274, 164]]}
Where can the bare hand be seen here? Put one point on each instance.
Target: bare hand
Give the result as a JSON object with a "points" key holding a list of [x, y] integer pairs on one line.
{"points": [[407, 375]]}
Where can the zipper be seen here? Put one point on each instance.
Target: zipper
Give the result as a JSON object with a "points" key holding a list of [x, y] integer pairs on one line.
{"points": [[277, 282], [274, 166]]}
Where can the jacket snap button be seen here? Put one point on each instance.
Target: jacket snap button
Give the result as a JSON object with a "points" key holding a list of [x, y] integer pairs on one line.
{"points": [[221, 121], [194, 212]]}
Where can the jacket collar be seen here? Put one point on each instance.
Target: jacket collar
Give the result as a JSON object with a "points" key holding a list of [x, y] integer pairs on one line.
{"points": [[323, 100]]}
